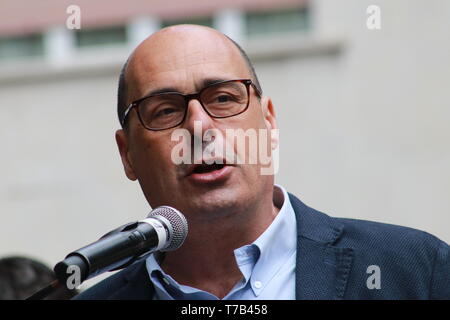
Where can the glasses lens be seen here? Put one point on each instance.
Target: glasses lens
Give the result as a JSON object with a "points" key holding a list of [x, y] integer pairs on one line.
{"points": [[225, 99], [162, 111]]}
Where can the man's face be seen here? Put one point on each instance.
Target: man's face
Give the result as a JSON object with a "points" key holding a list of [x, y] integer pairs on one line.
{"points": [[183, 59]]}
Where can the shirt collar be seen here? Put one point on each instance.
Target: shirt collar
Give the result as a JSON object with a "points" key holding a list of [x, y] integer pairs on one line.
{"points": [[276, 244]]}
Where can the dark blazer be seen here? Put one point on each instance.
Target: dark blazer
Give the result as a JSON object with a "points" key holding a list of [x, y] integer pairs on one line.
{"points": [[334, 256]]}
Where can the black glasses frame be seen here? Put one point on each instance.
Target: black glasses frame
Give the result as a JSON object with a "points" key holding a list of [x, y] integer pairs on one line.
{"points": [[187, 98]]}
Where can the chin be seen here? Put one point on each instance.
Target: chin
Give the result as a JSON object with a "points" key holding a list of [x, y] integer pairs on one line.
{"points": [[215, 203]]}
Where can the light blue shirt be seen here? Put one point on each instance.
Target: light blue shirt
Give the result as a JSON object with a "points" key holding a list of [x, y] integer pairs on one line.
{"points": [[267, 264]]}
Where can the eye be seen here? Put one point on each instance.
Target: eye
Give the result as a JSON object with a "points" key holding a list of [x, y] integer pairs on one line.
{"points": [[165, 112], [223, 98]]}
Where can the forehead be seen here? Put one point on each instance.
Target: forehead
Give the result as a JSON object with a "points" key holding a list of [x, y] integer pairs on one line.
{"points": [[183, 58]]}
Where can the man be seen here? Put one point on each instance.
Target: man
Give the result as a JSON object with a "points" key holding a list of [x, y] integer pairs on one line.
{"points": [[248, 239]]}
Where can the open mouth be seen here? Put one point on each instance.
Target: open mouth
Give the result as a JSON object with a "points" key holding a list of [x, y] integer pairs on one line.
{"points": [[206, 168], [213, 173]]}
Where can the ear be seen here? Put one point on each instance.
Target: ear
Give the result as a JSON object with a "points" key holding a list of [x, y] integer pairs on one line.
{"points": [[123, 145], [270, 119]]}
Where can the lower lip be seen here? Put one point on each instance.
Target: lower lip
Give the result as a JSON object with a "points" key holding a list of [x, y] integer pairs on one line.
{"points": [[211, 177]]}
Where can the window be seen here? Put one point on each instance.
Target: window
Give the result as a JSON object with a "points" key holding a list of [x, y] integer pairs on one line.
{"points": [[100, 37], [277, 21], [23, 46]]}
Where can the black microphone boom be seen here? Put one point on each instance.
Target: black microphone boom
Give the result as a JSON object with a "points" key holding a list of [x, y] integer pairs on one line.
{"points": [[164, 229]]}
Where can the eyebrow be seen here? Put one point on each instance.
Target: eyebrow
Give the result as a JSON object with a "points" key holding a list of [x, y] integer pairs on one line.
{"points": [[205, 82]]}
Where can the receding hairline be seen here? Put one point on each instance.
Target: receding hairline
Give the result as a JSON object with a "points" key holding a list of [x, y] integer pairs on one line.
{"points": [[123, 88]]}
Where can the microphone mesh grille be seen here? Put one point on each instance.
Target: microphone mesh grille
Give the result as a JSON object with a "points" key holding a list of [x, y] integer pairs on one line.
{"points": [[178, 223]]}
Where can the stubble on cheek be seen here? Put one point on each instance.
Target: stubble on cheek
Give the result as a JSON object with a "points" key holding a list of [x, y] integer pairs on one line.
{"points": [[150, 157]]}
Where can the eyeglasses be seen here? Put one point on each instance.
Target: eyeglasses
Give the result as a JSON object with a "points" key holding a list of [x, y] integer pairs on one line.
{"points": [[167, 110]]}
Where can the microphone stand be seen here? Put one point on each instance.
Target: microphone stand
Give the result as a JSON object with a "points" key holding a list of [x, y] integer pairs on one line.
{"points": [[44, 292]]}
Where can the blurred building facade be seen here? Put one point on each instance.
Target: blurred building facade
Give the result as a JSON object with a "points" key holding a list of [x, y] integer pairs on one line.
{"points": [[363, 114]]}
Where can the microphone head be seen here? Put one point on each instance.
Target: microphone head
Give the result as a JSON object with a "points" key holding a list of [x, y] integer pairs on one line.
{"points": [[178, 224]]}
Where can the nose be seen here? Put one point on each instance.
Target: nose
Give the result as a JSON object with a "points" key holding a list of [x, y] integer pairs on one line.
{"points": [[196, 114]]}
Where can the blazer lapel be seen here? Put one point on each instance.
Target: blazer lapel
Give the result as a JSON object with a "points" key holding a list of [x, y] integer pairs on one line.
{"points": [[322, 269], [136, 284]]}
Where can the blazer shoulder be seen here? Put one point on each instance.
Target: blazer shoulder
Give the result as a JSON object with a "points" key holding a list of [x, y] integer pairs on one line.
{"points": [[356, 233], [415, 264], [371, 233], [414, 259]]}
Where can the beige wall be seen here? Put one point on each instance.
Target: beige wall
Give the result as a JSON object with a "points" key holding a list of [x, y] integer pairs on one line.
{"points": [[363, 119]]}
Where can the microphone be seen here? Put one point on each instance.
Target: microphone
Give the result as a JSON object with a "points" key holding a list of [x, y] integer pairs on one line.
{"points": [[164, 229]]}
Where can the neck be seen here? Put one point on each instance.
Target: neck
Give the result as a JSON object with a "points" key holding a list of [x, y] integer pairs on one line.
{"points": [[207, 256]]}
